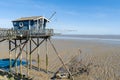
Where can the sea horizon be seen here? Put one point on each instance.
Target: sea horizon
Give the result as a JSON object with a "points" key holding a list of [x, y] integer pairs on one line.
{"points": [[107, 39], [99, 36]]}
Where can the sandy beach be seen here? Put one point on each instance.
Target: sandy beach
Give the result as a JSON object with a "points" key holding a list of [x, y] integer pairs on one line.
{"points": [[104, 58]]}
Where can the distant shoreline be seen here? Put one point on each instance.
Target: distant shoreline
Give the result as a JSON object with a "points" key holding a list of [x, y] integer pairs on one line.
{"points": [[105, 39], [89, 36]]}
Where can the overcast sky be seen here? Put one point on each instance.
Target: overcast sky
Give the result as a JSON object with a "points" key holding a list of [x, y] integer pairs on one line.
{"points": [[72, 16]]}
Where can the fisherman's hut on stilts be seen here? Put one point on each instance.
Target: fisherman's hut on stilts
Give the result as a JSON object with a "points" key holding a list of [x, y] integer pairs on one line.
{"points": [[28, 31]]}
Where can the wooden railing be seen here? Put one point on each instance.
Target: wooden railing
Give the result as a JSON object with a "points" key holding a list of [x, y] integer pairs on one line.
{"points": [[12, 34], [7, 34]]}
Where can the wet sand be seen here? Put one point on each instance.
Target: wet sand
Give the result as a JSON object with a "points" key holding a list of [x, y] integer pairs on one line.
{"points": [[104, 57]]}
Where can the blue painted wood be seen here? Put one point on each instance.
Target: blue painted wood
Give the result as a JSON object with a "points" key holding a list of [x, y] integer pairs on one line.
{"points": [[17, 26], [24, 25]]}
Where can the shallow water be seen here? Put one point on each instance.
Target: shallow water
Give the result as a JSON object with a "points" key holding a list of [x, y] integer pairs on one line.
{"points": [[5, 63], [103, 39]]}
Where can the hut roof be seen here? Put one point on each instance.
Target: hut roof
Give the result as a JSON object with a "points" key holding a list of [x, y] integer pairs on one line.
{"points": [[30, 18]]}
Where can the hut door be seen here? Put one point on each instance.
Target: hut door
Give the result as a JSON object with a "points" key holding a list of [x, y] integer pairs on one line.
{"points": [[41, 24], [35, 26]]}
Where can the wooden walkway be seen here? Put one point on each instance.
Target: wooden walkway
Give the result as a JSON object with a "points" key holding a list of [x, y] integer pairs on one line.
{"points": [[23, 34]]}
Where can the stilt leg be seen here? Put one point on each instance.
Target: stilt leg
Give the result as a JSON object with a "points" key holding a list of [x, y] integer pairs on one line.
{"points": [[16, 57], [10, 66], [46, 56], [38, 56], [59, 57], [27, 59], [20, 60], [30, 55]]}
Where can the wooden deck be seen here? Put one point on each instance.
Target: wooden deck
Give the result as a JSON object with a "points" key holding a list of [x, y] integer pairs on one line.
{"points": [[25, 34]]}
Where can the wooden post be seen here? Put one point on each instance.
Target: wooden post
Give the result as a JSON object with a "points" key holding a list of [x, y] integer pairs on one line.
{"points": [[38, 62], [20, 60], [30, 54], [46, 56], [38, 55], [27, 59], [60, 58], [16, 57], [10, 65]]}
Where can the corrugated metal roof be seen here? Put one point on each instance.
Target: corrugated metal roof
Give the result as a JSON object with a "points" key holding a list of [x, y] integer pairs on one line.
{"points": [[30, 18]]}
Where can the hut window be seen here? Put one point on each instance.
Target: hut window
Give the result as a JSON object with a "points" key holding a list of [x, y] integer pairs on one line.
{"points": [[21, 24]]}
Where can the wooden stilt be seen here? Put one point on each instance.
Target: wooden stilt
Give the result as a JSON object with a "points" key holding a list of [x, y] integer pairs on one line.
{"points": [[27, 59], [26, 51], [20, 52], [37, 46], [20, 60], [59, 57], [30, 55], [38, 55], [2, 40], [46, 56], [10, 65], [16, 57], [17, 38]]}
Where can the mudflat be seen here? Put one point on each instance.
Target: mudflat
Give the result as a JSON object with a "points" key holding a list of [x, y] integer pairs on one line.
{"points": [[104, 58]]}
